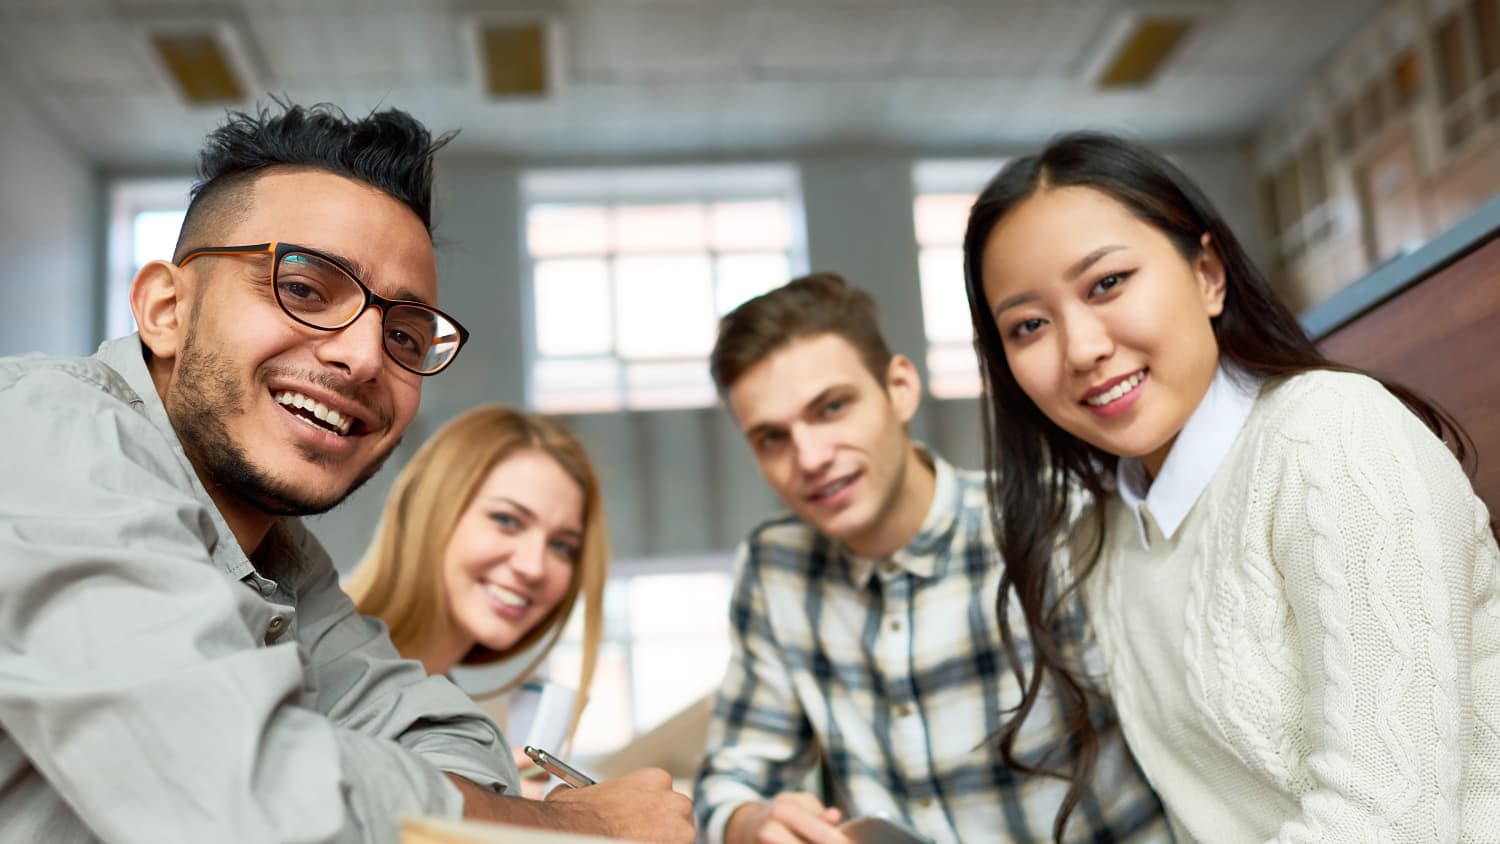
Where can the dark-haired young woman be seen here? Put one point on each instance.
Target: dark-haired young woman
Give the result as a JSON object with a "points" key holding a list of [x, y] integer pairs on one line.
{"points": [[1291, 579]]}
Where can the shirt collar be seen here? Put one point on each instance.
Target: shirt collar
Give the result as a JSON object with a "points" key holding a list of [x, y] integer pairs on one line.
{"points": [[127, 356], [920, 555], [1194, 458]]}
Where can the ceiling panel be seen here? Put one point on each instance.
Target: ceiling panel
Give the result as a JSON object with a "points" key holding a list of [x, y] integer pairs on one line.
{"points": [[682, 77]]}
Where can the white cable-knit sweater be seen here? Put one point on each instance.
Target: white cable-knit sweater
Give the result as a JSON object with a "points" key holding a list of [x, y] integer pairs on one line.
{"points": [[1315, 654]]}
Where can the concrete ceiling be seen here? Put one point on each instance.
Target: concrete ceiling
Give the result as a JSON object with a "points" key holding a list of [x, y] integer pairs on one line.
{"points": [[676, 78]]}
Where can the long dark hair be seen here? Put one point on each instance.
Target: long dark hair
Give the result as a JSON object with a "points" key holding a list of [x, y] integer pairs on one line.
{"points": [[1033, 464]]}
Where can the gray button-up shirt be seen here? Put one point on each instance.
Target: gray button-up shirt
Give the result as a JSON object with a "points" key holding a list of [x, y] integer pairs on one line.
{"points": [[155, 684]]}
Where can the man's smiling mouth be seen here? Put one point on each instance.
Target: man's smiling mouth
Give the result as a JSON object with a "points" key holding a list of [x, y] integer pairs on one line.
{"points": [[833, 488], [315, 412]]}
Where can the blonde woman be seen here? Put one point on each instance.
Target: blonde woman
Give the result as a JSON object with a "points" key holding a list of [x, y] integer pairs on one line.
{"points": [[488, 538]]}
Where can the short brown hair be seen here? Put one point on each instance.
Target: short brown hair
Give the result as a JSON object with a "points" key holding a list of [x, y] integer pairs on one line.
{"points": [[820, 303]]}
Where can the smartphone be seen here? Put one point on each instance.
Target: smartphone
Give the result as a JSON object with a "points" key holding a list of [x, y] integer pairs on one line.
{"points": [[873, 830]]}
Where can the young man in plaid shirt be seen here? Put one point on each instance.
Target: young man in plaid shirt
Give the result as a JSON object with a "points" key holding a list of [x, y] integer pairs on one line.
{"points": [[865, 640]]}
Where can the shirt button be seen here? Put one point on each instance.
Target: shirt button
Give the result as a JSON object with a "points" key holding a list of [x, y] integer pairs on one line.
{"points": [[895, 625], [925, 802], [276, 625], [891, 569], [903, 711]]}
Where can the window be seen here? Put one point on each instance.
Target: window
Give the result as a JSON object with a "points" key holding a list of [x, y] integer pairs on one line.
{"points": [[1487, 29], [145, 217], [631, 269], [944, 192], [1466, 48]]}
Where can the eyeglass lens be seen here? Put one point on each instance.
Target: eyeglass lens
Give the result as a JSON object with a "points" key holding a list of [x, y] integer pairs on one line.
{"points": [[320, 294]]}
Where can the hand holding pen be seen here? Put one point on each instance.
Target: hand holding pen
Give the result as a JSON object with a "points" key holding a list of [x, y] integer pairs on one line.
{"points": [[570, 775], [639, 806]]}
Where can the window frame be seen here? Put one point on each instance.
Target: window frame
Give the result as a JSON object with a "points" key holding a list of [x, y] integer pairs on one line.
{"points": [[129, 198], [616, 187], [944, 177]]}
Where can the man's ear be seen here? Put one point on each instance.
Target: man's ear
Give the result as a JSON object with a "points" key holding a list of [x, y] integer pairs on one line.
{"points": [[160, 302], [1211, 281], [904, 386]]}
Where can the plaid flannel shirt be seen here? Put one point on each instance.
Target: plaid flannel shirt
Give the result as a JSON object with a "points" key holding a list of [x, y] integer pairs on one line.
{"points": [[890, 676]]}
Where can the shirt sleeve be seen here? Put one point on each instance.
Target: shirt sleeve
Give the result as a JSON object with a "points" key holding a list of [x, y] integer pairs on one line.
{"points": [[364, 685], [133, 675], [759, 741], [1389, 572]]}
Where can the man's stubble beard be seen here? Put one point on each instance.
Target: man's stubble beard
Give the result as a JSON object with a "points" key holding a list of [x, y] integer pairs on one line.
{"points": [[203, 394]]}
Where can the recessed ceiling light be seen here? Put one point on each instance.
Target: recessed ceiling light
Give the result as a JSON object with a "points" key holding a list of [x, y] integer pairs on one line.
{"points": [[199, 65]]}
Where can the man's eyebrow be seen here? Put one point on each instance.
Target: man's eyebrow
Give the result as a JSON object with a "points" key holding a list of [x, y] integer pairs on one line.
{"points": [[409, 295], [362, 273], [1082, 264], [759, 428], [762, 427]]}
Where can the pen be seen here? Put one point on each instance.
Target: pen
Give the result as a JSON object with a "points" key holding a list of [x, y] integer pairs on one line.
{"points": [[558, 768]]}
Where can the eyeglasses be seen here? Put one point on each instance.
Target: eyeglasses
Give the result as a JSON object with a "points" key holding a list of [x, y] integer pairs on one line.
{"points": [[318, 291]]}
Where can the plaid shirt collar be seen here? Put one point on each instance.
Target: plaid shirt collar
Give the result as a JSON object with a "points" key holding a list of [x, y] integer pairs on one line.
{"points": [[925, 555]]}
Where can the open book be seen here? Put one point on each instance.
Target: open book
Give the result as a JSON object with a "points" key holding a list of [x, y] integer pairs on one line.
{"points": [[422, 830]]}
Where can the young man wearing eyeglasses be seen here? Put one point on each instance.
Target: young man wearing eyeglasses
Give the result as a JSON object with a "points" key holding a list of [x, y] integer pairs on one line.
{"points": [[177, 661]]}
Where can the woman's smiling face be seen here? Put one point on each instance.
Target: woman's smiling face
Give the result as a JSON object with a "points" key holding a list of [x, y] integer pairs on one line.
{"points": [[1105, 325], [512, 554]]}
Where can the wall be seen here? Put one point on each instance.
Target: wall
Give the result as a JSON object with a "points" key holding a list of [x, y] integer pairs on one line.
{"points": [[48, 244]]}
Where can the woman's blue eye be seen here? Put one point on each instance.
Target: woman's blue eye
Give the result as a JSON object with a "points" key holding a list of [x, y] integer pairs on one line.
{"points": [[505, 520], [566, 549], [834, 407]]}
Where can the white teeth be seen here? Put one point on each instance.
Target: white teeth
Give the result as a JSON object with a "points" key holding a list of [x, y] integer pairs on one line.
{"points": [[505, 596], [833, 488], [1118, 390], [335, 420]]}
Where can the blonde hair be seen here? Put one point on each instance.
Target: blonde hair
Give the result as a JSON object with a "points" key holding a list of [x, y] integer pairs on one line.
{"points": [[400, 578]]}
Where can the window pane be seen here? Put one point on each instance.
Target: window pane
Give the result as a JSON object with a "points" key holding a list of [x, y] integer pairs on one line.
{"points": [[1487, 27], [567, 230], [1372, 107], [669, 674], [577, 386], [749, 225], [945, 305], [1344, 131], [1289, 192], [1316, 188], [572, 307], [658, 228], [747, 275], [606, 725], [668, 384], [953, 370], [1449, 52], [668, 604], [1268, 198], [940, 218], [664, 307], [154, 236], [680, 626]]}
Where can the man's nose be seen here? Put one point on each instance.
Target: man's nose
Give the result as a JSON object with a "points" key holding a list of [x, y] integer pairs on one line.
{"points": [[358, 348]]}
